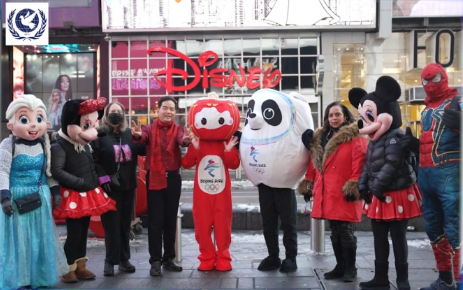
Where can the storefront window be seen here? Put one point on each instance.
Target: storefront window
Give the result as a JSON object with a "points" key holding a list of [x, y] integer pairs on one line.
{"points": [[119, 49], [239, 67], [138, 49], [349, 71]]}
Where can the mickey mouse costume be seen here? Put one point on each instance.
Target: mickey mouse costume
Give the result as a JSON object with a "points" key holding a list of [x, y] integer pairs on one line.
{"points": [[388, 175], [73, 167]]}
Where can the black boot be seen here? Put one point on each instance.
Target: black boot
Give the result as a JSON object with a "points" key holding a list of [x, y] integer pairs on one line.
{"points": [[270, 263], [349, 252], [338, 270], [402, 276], [108, 270], [380, 281]]}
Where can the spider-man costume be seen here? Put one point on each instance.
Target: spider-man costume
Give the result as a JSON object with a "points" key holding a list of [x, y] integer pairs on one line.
{"points": [[439, 172]]}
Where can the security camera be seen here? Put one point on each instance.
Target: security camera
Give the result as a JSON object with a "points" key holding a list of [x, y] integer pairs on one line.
{"points": [[107, 37]]}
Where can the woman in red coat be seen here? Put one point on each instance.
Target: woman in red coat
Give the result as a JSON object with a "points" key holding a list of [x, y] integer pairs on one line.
{"points": [[337, 155]]}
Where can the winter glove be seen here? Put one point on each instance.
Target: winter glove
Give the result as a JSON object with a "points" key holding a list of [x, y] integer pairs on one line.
{"points": [[452, 119], [365, 196], [380, 197], [56, 196], [238, 134], [350, 190], [7, 207], [307, 138], [410, 142], [106, 187], [305, 188]]}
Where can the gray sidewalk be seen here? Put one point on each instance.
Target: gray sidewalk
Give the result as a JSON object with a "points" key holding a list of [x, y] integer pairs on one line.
{"points": [[247, 250]]}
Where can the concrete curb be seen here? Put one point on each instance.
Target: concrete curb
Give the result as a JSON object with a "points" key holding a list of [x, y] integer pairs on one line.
{"points": [[248, 217]]}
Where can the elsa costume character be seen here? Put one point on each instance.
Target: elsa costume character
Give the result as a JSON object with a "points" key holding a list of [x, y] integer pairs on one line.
{"points": [[31, 253]]}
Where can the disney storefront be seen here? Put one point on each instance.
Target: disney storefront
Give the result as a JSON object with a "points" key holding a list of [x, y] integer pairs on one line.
{"points": [[230, 47], [190, 67]]}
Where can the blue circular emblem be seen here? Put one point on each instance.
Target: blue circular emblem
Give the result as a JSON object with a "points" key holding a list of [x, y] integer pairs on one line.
{"points": [[27, 20]]}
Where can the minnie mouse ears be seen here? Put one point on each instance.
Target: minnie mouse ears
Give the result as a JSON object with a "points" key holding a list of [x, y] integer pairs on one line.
{"points": [[355, 95], [388, 89]]}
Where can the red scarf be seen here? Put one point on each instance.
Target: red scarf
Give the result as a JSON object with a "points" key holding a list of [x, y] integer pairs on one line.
{"points": [[158, 178]]}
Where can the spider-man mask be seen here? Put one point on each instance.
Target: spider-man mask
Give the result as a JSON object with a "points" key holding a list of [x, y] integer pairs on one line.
{"points": [[435, 83]]}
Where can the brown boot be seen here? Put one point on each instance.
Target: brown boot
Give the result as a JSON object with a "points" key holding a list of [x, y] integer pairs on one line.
{"points": [[71, 276], [83, 273]]}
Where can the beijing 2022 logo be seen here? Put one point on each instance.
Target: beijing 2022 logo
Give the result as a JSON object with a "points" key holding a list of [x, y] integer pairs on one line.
{"points": [[27, 25]]}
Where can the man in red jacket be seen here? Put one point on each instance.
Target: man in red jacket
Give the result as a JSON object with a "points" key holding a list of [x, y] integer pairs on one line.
{"points": [[163, 182]]}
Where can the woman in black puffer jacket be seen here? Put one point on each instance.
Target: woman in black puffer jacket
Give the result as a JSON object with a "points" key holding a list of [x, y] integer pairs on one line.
{"points": [[388, 181]]}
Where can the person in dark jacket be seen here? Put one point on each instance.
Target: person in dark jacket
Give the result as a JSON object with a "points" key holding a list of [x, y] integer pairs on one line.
{"points": [[389, 177], [116, 156], [337, 155]]}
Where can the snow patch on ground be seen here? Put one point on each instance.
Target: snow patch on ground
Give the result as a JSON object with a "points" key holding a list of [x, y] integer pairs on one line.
{"points": [[235, 184], [248, 207], [420, 244]]}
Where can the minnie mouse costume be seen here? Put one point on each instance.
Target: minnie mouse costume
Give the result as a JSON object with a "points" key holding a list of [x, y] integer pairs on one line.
{"points": [[72, 165], [388, 181]]}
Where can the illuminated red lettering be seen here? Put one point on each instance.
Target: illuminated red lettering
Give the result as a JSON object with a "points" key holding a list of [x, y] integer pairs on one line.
{"points": [[216, 75]]}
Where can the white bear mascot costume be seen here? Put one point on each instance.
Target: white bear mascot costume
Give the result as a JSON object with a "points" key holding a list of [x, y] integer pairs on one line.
{"points": [[275, 159]]}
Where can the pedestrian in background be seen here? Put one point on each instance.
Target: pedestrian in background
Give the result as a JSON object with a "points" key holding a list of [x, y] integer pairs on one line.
{"points": [[336, 160], [116, 156], [163, 139]]}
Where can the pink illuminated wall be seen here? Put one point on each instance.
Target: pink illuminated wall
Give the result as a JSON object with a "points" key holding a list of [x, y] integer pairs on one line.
{"points": [[133, 68]]}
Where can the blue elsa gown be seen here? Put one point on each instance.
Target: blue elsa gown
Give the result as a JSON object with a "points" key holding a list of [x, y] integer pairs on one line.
{"points": [[30, 250]]}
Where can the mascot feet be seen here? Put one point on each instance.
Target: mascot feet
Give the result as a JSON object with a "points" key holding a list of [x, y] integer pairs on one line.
{"points": [[289, 265], [223, 265], [207, 265], [270, 263]]}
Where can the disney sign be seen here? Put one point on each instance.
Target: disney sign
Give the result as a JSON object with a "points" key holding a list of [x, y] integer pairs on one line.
{"points": [[218, 76]]}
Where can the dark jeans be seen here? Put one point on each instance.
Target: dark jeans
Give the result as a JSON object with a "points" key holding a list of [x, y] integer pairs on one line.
{"points": [[75, 246], [117, 226], [343, 232], [274, 203], [162, 217], [398, 231]]}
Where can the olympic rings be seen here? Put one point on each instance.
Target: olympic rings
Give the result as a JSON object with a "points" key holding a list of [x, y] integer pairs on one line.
{"points": [[212, 187], [259, 170]]}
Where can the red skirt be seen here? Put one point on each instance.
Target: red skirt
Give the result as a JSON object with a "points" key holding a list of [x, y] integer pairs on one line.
{"points": [[399, 205], [76, 204]]}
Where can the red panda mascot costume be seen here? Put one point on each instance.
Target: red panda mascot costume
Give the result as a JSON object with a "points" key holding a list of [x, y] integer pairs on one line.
{"points": [[213, 122]]}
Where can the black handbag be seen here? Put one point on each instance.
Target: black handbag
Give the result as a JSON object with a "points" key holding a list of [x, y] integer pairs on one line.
{"points": [[115, 177], [31, 201]]}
